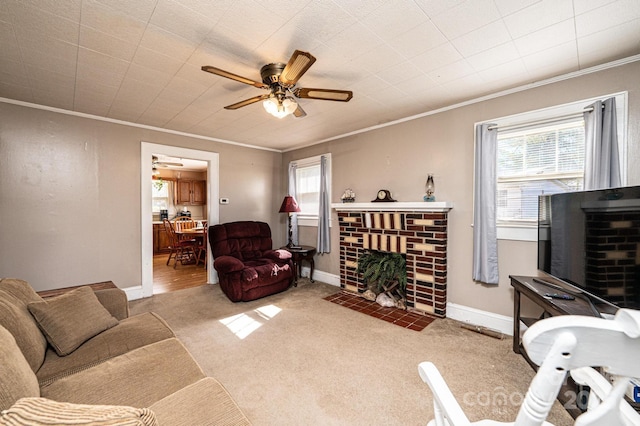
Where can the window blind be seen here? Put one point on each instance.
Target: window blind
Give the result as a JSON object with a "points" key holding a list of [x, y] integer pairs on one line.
{"points": [[537, 160]]}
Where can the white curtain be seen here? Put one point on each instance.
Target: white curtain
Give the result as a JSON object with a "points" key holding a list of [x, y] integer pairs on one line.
{"points": [[324, 212], [485, 241], [292, 191], [602, 160], [171, 207]]}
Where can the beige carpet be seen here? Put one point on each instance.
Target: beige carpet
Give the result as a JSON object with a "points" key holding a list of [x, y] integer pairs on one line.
{"points": [[296, 359]]}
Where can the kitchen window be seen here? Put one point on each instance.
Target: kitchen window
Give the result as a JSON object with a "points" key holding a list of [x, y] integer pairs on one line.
{"points": [[159, 195]]}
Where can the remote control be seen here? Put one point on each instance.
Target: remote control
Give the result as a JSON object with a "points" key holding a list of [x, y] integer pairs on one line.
{"points": [[559, 296]]}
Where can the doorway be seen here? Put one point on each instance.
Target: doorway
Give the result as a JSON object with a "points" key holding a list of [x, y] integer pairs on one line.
{"points": [[178, 189], [146, 220]]}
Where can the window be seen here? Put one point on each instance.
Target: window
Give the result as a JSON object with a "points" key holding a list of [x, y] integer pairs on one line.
{"points": [[159, 195], [543, 152], [308, 188], [539, 160]]}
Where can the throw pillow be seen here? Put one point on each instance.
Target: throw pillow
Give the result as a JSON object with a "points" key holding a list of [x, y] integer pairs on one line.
{"points": [[42, 411], [284, 254], [71, 319]]}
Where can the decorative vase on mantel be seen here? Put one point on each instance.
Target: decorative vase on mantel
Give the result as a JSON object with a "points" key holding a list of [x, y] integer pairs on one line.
{"points": [[430, 189]]}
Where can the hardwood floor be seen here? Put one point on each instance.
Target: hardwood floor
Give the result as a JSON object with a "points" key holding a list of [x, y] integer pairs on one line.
{"points": [[166, 279]]}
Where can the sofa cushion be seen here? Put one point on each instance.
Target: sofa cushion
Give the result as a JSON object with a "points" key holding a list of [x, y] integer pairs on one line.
{"points": [[130, 333], [227, 264], [17, 380], [115, 301], [15, 295], [42, 411], [261, 272], [137, 378], [204, 402], [71, 319]]}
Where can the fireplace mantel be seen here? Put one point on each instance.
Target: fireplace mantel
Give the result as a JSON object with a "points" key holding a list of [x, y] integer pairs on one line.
{"points": [[399, 206]]}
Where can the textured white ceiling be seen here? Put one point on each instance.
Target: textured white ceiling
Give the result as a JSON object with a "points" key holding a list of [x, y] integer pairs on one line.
{"points": [[139, 60]]}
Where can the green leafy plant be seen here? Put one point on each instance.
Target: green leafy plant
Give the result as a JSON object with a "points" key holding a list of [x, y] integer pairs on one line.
{"points": [[379, 269], [158, 183]]}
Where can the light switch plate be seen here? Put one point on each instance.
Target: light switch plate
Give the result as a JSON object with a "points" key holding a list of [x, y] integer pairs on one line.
{"points": [[224, 201]]}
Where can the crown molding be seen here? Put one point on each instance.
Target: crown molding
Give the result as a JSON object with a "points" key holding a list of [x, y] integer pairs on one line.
{"points": [[130, 124], [552, 80]]}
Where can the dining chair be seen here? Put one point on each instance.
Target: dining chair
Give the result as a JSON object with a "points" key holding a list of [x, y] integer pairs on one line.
{"points": [[182, 223], [182, 250], [201, 255]]}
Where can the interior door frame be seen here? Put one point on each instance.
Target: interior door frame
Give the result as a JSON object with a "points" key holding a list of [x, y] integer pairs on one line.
{"points": [[147, 149]]}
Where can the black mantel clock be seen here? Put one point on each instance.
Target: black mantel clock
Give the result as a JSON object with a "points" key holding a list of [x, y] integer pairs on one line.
{"points": [[383, 196]]}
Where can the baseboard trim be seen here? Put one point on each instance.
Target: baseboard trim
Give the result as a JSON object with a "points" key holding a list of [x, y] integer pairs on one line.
{"points": [[466, 314], [325, 277], [133, 293]]}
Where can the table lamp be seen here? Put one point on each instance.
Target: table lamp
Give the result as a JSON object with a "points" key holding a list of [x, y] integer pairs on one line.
{"points": [[289, 205]]}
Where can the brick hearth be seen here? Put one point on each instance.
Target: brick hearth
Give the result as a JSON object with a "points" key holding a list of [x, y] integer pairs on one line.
{"points": [[417, 230]]}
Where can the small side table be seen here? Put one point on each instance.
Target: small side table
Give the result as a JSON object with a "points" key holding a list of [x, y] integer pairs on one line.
{"points": [[298, 254]]}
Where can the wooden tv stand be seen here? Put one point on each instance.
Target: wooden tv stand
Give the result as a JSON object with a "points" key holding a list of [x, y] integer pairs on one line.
{"points": [[534, 288]]}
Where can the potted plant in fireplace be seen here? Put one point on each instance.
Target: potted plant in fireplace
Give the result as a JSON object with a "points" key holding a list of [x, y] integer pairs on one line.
{"points": [[385, 274]]}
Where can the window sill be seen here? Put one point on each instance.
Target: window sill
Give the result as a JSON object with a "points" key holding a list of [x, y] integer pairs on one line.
{"points": [[311, 221], [517, 233]]}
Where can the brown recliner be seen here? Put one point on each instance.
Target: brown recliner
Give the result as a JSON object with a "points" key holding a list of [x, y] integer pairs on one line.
{"points": [[248, 268]]}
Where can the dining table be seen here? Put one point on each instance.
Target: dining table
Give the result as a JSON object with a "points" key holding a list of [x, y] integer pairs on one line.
{"points": [[198, 234], [190, 233]]}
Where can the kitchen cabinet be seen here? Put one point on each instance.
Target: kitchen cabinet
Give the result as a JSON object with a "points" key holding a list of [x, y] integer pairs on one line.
{"points": [[161, 242], [191, 192]]}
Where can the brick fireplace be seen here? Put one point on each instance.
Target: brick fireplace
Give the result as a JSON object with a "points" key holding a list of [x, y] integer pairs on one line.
{"points": [[416, 230]]}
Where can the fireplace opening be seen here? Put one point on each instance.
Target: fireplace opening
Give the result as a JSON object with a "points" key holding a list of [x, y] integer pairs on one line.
{"points": [[385, 276]]}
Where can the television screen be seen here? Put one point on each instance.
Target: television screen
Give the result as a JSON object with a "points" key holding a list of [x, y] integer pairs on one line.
{"points": [[591, 239]]}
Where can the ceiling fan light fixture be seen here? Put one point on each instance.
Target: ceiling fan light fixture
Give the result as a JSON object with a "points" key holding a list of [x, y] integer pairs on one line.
{"points": [[289, 105], [280, 109]]}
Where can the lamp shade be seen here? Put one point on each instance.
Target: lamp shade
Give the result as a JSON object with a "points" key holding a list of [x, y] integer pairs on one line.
{"points": [[289, 205]]}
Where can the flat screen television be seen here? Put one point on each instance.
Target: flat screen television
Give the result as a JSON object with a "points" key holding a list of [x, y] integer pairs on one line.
{"points": [[591, 240]]}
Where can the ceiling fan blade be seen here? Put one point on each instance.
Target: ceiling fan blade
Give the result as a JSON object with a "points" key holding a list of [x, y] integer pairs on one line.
{"points": [[232, 76], [299, 112], [325, 94], [247, 102], [298, 64]]}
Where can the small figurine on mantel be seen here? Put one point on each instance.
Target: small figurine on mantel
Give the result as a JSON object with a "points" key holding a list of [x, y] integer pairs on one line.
{"points": [[430, 189], [349, 196]]}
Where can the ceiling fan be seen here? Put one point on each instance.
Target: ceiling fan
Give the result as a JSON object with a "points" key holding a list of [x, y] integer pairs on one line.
{"points": [[280, 80]]}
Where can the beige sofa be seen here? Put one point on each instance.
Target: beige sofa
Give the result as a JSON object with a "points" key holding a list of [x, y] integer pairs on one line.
{"points": [[84, 349]]}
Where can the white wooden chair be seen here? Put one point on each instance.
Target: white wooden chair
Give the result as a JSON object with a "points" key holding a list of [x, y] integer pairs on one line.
{"points": [[559, 345]]}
